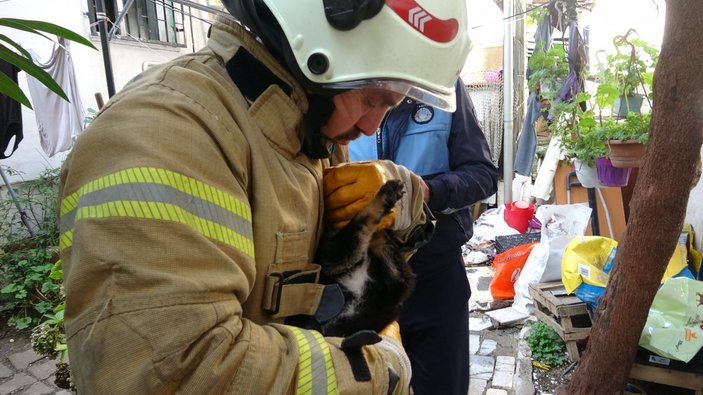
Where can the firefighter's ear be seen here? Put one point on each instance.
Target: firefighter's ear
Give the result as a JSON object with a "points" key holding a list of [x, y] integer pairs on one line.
{"points": [[348, 14]]}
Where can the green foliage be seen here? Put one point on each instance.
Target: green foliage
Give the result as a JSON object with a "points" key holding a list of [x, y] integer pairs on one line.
{"points": [[576, 129], [629, 70], [27, 288], [48, 338], [546, 345], [634, 127], [549, 70], [14, 53]]}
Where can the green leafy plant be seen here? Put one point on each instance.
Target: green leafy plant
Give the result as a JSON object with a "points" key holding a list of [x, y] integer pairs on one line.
{"points": [[577, 129], [48, 338], [548, 70], [628, 71], [546, 345], [15, 54], [26, 287], [634, 127]]}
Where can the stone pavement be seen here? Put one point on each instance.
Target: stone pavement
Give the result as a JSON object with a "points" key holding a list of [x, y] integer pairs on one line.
{"points": [[27, 373], [500, 358]]}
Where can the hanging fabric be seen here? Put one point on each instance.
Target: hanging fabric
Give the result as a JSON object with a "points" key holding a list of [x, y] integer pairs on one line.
{"points": [[58, 121], [527, 143], [577, 61], [10, 115]]}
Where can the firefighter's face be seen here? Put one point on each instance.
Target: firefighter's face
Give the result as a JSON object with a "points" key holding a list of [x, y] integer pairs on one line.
{"points": [[358, 111]]}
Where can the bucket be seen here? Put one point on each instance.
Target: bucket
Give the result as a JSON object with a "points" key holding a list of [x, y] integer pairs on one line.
{"points": [[610, 176], [518, 215]]}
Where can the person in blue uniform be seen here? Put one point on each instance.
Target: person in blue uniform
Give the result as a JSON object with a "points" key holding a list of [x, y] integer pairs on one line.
{"points": [[450, 152]]}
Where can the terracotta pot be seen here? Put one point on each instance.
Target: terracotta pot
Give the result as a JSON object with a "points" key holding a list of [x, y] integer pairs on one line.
{"points": [[626, 153]]}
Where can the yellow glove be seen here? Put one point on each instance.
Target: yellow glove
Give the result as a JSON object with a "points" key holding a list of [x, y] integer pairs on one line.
{"points": [[392, 330], [393, 345], [350, 187]]}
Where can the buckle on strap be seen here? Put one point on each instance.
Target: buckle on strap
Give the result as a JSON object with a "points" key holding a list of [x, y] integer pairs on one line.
{"points": [[302, 292]]}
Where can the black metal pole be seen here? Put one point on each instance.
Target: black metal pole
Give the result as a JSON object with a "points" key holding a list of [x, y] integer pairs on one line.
{"points": [[102, 28], [593, 203]]}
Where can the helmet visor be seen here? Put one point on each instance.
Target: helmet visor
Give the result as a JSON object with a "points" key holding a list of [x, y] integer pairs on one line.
{"points": [[442, 101]]}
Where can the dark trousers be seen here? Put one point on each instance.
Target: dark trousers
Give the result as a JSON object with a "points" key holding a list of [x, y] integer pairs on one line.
{"points": [[434, 324]]}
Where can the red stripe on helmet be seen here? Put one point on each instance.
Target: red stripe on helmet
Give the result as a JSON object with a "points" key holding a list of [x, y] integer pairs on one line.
{"points": [[440, 30]]}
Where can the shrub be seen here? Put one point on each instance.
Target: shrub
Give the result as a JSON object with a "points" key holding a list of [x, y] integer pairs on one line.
{"points": [[546, 345], [26, 286]]}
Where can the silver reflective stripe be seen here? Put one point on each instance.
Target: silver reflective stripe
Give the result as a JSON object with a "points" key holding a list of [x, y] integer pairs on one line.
{"points": [[159, 194], [316, 374]]}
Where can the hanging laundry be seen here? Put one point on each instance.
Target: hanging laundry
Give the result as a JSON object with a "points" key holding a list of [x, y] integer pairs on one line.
{"points": [[527, 143], [58, 120], [10, 115]]}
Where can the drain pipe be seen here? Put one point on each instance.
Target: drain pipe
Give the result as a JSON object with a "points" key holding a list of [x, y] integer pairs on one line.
{"points": [[508, 72]]}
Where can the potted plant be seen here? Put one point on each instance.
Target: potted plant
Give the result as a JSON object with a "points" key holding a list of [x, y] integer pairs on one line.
{"points": [[577, 130], [626, 139], [548, 71], [626, 77]]}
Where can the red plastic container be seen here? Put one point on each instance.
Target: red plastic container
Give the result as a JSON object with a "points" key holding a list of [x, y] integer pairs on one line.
{"points": [[518, 215]]}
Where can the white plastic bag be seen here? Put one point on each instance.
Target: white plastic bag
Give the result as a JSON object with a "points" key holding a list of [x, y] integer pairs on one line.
{"points": [[560, 224]]}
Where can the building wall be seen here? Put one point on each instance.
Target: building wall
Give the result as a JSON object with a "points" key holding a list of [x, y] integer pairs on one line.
{"points": [[128, 58]]}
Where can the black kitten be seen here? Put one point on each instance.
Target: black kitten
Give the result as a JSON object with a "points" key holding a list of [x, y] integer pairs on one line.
{"points": [[368, 266]]}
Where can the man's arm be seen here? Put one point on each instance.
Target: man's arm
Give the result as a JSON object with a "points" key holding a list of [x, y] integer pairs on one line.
{"points": [[473, 176]]}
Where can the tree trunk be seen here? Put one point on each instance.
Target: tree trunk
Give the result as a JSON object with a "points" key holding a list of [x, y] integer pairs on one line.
{"points": [[657, 209]]}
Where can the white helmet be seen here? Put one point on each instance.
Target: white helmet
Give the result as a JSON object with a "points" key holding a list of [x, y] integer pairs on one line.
{"points": [[413, 47]]}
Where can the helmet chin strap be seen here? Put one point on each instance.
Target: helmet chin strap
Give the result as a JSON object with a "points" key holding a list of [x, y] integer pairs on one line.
{"points": [[315, 144]]}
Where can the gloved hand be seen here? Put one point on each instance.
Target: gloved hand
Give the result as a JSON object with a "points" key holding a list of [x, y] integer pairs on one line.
{"points": [[350, 187], [392, 330], [393, 344]]}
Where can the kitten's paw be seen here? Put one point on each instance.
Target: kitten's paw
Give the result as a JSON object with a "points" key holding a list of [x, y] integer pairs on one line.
{"points": [[390, 193]]}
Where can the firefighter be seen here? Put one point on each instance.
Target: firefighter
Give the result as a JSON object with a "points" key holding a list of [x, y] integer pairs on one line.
{"points": [[191, 208]]}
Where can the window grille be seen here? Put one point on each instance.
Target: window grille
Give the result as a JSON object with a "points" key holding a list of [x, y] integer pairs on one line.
{"points": [[150, 21]]}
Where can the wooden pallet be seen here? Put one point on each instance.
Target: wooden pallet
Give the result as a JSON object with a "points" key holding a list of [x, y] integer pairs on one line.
{"points": [[557, 309], [675, 378]]}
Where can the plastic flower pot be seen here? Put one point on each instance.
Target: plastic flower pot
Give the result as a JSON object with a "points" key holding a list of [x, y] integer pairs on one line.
{"points": [[610, 176], [587, 175], [627, 104]]}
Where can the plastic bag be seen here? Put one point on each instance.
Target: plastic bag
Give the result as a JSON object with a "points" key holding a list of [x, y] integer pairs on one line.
{"points": [[587, 262], [673, 328], [508, 266], [560, 224]]}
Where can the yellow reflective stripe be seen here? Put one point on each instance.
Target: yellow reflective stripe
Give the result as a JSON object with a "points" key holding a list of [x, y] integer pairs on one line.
{"points": [[329, 367], [316, 375], [151, 175], [304, 363], [160, 194]]}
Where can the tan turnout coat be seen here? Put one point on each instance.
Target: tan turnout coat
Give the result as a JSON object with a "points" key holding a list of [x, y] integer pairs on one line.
{"points": [[175, 205]]}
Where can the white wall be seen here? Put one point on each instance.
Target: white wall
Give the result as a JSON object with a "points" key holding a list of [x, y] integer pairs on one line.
{"points": [[127, 59]]}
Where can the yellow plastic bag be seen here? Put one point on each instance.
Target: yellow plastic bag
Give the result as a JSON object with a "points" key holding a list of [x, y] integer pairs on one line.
{"points": [[587, 261]]}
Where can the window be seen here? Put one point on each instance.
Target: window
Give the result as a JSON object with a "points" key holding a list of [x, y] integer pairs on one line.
{"points": [[154, 21]]}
